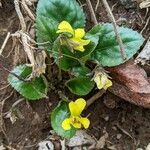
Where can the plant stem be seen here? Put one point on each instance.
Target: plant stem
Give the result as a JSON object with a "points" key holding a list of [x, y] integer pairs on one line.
{"points": [[112, 18], [94, 98], [93, 17], [59, 61]]}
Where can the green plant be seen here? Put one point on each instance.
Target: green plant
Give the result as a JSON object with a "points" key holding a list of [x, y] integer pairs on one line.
{"points": [[60, 24]]}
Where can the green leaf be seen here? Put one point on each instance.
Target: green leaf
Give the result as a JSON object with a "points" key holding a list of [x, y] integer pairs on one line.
{"points": [[45, 31], [64, 58], [107, 52], [92, 35], [51, 12], [80, 85], [32, 90], [60, 113], [81, 71]]}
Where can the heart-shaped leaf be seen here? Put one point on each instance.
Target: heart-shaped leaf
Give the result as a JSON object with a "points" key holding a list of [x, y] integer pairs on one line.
{"points": [[107, 52], [80, 85], [51, 12], [81, 71], [60, 113], [32, 90]]}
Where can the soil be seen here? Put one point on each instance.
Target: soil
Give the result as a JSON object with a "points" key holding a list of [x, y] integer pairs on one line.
{"points": [[127, 125]]}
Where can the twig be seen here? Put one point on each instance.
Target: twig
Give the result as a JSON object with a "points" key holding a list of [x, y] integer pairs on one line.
{"points": [[5, 42], [17, 102], [22, 22], [4, 87], [97, 4], [27, 49], [144, 55], [124, 131], [2, 126], [113, 6], [59, 61], [110, 14], [8, 53], [92, 12], [14, 105], [148, 19], [146, 14], [10, 148], [94, 98], [28, 10], [20, 78]]}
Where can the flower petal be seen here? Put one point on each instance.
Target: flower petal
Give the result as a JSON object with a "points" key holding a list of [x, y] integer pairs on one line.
{"points": [[78, 41], [85, 122], [108, 84], [81, 103], [102, 81], [98, 82], [66, 124], [79, 48], [77, 125], [78, 44], [73, 109], [65, 26], [77, 107], [84, 42], [79, 33]]}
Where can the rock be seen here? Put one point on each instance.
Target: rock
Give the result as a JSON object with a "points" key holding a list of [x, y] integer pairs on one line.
{"points": [[148, 147], [81, 139], [102, 141], [119, 136], [46, 145]]}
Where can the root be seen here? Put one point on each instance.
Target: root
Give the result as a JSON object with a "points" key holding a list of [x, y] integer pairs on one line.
{"points": [[2, 124]]}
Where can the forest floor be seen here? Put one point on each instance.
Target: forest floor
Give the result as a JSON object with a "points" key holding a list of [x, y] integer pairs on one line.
{"points": [[124, 126]]}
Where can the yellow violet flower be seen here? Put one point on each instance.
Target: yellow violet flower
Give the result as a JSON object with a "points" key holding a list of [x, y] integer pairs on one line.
{"points": [[76, 41], [102, 81], [75, 118]]}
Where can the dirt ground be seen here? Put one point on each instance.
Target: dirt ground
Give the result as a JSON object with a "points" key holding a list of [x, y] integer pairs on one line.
{"points": [[127, 125]]}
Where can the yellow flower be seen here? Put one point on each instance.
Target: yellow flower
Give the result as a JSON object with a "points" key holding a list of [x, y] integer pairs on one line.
{"points": [[75, 118], [76, 41], [102, 81]]}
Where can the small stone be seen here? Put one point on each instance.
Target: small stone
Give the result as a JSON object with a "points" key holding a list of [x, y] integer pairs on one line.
{"points": [[114, 128], [106, 118], [81, 138], [46, 145], [2, 147], [148, 147], [119, 136], [139, 149]]}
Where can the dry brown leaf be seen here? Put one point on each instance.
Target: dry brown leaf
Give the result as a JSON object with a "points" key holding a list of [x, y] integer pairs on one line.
{"points": [[131, 83], [132, 76], [40, 66], [132, 97]]}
